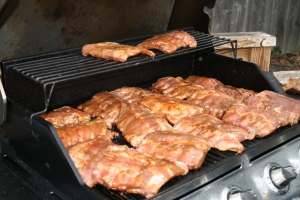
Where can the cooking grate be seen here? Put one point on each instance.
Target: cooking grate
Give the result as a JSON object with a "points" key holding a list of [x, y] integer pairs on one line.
{"points": [[54, 68]]}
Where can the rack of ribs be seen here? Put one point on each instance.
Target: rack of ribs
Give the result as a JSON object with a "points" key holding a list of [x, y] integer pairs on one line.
{"points": [[287, 109], [175, 146], [105, 105], [171, 108], [138, 122], [175, 87], [114, 51], [218, 134], [239, 94], [71, 135], [212, 101], [169, 42], [65, 116], [132, 94], [256, 121], [100, 161]]}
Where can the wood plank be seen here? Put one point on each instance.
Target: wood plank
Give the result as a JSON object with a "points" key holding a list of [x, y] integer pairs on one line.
{"points": [[241, 53], [261, 56], [248, 39]]}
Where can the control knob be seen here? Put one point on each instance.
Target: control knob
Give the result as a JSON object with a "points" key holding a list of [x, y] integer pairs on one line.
{"points": [[235, 193], [278, 178], [282, 176]]}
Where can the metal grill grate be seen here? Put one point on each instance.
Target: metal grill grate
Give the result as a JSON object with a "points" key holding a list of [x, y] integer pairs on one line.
{"points": [[72, 65]]}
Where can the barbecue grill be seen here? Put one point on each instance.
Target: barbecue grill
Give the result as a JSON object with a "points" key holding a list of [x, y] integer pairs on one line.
{"points": [[39, 83]]}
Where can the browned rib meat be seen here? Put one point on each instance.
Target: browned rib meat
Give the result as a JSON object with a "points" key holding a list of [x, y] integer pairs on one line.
{"points": [[224, 138], [186, 148], [194, 125], [114, 51], [132, 94], [219, 134], [292, 85], [188, 39], [213, 102], [99, 161], [137, 122], [239, 94], [175, 87], [287, 109], [259, 122], [105, 105], [171, 108], [169, 42], [207, 83], [65, 116], [71, 135]]}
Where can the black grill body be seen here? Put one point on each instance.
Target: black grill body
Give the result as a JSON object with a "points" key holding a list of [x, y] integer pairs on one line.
{"points": [[36, 142]]}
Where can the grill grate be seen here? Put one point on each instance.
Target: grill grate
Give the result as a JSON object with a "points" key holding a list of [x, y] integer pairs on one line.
{"points": [[58, 68]]}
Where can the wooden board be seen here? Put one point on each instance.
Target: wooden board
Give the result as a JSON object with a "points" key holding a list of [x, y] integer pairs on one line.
{"points": [[252, 46]]}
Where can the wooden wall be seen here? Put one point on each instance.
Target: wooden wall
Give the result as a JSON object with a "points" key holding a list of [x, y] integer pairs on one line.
{"points": [[280, 18]]}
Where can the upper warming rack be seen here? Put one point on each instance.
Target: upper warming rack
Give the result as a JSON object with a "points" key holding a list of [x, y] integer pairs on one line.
{"points": [[38, 82], [70, 64]]}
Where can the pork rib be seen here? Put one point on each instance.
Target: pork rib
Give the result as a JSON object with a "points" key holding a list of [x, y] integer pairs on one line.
{"points": [[258, 122], [240, 95], [114, 51], [132, 94], [287, 109], [175, 87], [117, 167], [171, 108], [174, 146], [65, 116], [71, 135], [169, 42], [105, 105], [137, 122], [219, 134]]}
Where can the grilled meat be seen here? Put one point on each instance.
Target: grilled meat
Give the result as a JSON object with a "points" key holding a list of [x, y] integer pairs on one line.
{"points": [[65, 116], [114, 51], [117, 167], [175, 87], [138, 121], [171, 108], [71, 135], [239, 94], [205, 82], [287, 109], [256, 121], [174, 146], [169, 42], [194, 125], [219, 134], [292, 85], [105, 105], [213, 102], [188, 39], [131, 94]]}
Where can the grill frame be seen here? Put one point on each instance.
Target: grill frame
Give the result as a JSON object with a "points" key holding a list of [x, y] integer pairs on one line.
{"points": [[36, 142]]}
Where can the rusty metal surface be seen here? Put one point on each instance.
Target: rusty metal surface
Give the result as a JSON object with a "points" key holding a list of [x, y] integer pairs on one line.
{"points": [[30, 27]]}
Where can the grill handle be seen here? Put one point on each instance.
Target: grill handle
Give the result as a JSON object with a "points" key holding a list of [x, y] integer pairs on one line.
{"points": [[3, 104]]}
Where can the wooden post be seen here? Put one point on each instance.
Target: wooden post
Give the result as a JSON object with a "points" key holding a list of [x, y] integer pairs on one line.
{"points": [[252, 46]]}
